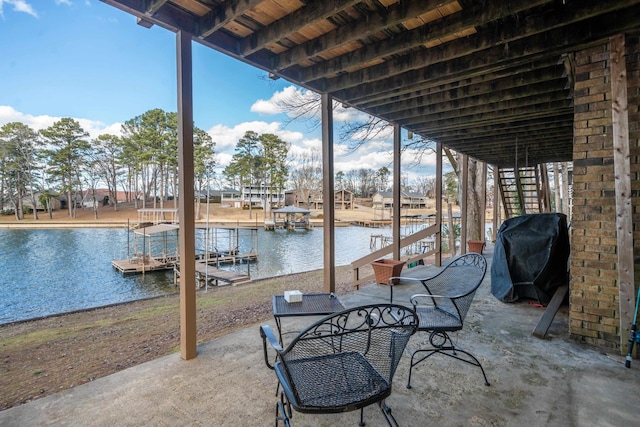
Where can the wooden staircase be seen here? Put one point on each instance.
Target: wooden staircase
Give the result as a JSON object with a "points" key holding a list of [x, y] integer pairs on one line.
{"points": [[524, 190]]}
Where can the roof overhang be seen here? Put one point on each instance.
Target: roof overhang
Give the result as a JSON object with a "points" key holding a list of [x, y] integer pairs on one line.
{"points": [[493, 80]]}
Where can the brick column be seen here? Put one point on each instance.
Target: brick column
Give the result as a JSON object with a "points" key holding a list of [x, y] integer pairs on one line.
{"points": [[594, 312]]}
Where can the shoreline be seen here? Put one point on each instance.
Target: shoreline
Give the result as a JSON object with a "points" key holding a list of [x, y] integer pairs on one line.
{"points": [[54, 224], [127, 215], [45, 355]]}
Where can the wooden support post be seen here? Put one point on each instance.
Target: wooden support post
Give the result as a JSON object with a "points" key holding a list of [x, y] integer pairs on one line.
{"points": [[622, 172], [188, 340], [438, 242], [544, 195], [483, 199], [521, 199], [556, 184], [464, 197], [397, 190], [565, 190], [496, 202], [452, 236], [545, 321], [328, 204]]}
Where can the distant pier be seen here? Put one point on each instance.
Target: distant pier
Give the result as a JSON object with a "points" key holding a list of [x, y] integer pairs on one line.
{"points": [[372, 223], [155, 248]]}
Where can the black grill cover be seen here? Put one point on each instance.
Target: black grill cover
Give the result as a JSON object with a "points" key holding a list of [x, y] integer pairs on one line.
{"points": [[530, 257]]}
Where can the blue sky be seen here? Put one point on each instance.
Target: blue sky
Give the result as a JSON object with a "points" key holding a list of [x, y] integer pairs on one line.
{"points": [[92, 62]]}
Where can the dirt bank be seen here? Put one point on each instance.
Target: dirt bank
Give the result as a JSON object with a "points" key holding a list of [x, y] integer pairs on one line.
{"points": [[48, 355]]}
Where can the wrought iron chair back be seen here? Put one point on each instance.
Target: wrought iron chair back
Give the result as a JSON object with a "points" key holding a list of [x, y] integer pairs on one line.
{"points": [[457, 283], [343, 362], [443, 307]]}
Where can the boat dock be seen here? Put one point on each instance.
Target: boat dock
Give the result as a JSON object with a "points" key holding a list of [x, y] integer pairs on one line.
{"points": [[372, 223], [155, 248], [289, 218], [143, 264], [208, 273], [204, 273]]}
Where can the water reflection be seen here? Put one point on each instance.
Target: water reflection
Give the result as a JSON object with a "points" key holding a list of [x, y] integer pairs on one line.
{"points": [[52, 271]]}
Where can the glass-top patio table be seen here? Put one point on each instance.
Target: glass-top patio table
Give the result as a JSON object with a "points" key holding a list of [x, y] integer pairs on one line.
{"points": [[311, 305]]}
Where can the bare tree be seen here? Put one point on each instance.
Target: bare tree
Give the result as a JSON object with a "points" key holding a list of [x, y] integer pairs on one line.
{"points": [[305, 105], [475, 228], [105, 153], [307, 175], [426, 185]]}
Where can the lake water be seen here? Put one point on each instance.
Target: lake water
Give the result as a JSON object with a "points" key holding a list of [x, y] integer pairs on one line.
{"points": [[45, 272]]}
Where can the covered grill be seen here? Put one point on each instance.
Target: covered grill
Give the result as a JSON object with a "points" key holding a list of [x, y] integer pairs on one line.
{"points": [[530, 257]]}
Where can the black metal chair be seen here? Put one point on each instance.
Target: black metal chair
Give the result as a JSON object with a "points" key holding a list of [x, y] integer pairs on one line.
{"points": [[343, 362], [443, 308]]}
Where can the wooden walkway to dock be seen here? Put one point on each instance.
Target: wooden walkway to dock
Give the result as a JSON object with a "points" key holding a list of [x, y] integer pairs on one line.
{"points": [[204, 273], [208, 273], [144, 264]]}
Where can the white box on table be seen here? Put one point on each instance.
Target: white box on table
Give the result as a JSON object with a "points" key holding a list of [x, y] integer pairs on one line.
{"points": [[293, 296]]}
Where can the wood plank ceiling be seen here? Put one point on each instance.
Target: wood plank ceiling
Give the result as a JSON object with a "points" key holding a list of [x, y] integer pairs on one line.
{"points": [[485, 78]]}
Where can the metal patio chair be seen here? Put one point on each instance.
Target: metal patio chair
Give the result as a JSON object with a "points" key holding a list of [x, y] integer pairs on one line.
{"points": [[343, 362], [444, 306]]}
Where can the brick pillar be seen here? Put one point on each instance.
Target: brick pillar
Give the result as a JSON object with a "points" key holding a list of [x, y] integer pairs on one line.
{"points": [[594, 311]]}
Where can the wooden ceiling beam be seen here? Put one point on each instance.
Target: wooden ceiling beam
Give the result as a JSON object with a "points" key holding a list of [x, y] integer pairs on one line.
{"points": [[152, 6], [548, 155], [361, 29], [466, 68], [479, 104], [457, 98], [426, 130], [499, 139], [312, 12], [488, 118], [543, 124], [526, 71], [531, 143], [528, 38], [473, 17], [534, 151], [220, 16], [167, 16], [547, 76]]}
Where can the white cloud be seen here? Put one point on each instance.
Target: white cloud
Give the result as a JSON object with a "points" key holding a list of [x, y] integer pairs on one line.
{"points": [[94, 128], [18, 6], [9, 114], [340, 150], [98, 128], [301, 104], [223, 159], [25, 7], [226, 137], [348, 114], [265, 107], [305, 102], [305, 148]]}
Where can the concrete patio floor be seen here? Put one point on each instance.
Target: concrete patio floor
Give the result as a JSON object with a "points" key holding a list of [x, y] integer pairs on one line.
{"points": [[534, 382]]}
